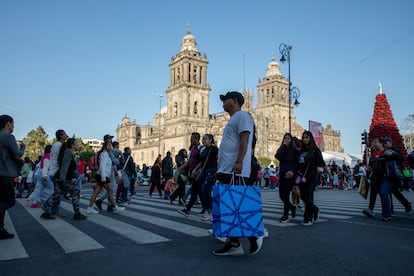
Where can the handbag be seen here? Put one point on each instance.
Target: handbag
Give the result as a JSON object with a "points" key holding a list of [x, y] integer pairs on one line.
{"points": [[200, 175], [363, 187], [126, 181], [237, 210], [393, 169], [301, 178], [184, 178]]}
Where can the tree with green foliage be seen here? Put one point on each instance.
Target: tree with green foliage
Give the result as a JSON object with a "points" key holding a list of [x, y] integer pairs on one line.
{"points": [[35, 142]]}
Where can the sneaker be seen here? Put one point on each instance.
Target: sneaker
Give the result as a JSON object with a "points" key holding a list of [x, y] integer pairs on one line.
{"points": [[5, 235], [230, 250], [222, 239], [79, 216], [307, 223], [47, 216], [255, 247], [118, 209], [265, 233], [386, 218], [91, 210], [408, 207], [284, 219], [202, 212], [206, 216], [368, 212], [35, 205], [316, 212], [98, 204], [184, 212]]}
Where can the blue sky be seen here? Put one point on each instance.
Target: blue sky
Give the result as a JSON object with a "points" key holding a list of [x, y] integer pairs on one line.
{"points": [[84, 65]]}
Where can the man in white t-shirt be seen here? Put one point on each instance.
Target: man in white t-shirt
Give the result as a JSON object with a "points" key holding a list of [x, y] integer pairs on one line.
{"points": [[235, 157]]}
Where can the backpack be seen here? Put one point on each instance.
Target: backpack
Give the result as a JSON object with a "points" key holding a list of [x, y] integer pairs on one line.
{"points": [[94, 162], [255, 165], [254, 170]]}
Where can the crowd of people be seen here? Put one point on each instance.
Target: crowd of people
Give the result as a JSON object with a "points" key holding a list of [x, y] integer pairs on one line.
{"points": [[301, 168]]}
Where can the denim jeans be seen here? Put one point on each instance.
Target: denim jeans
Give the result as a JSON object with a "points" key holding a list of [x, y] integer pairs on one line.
{"points": [[47, 205], [79, 181], [206, 188], [40, 189], [385, 194]]}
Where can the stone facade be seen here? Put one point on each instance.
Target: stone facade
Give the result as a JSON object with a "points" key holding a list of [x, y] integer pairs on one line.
{"points": [[187, 111]]}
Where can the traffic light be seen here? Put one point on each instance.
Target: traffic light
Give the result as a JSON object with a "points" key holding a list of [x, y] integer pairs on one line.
{"points": [[364, 138]]}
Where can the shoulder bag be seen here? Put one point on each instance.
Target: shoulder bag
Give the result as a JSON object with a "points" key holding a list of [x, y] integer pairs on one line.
{"points": [[200, 174]]}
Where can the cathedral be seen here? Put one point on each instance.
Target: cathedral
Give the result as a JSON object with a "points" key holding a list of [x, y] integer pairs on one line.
{"points": [[187, 111]]}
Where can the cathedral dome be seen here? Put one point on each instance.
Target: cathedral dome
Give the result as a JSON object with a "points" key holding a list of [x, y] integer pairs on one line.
{"points": [[273, 68], [189, 42]]}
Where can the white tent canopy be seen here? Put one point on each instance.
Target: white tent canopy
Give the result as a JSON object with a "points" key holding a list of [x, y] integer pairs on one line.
{"points": [[340, 158]]}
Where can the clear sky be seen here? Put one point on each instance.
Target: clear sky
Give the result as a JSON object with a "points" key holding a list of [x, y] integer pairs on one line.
{"points": [[83, 65]]}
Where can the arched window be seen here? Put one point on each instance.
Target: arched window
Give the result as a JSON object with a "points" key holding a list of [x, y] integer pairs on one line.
{"points": [[195, 107], [178, 75], [188, 106]]}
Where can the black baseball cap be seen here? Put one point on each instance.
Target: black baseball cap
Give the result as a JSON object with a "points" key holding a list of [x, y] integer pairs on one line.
{"points": [[107, 136], [233, 95]]}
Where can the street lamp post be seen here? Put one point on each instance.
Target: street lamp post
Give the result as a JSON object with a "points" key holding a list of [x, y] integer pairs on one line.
{"points": [[294, 92], [159, 125]]}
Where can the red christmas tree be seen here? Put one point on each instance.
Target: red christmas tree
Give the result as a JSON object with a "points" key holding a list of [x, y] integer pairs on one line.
{"points": [[383, 124]]}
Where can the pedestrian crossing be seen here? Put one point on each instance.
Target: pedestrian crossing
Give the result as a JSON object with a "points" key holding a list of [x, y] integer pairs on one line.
{"points": [[152, 221]]}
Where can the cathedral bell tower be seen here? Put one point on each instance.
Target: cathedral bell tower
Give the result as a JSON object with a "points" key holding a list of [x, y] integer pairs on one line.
{"points": [[188, 92], [272, 110]]}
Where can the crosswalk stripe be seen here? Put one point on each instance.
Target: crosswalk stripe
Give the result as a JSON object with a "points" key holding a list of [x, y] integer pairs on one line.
{"points": [[165, 223], [126, 230], [12, 248], [67, 236], [164, 215]]}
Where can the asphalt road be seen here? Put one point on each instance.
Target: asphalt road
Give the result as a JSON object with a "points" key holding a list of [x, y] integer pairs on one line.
{"points": [[152, 238]]}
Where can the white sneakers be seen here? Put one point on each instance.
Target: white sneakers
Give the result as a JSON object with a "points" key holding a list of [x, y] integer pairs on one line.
{"points": [[91, 210], [118, 209], [207, 216]]}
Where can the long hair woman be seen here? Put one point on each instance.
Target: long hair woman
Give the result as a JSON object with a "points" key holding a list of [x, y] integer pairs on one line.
{"points": [[102, 179], [156, 176], [310, 158], [287, 154], [181, 177]]}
